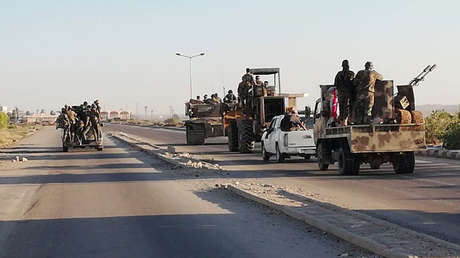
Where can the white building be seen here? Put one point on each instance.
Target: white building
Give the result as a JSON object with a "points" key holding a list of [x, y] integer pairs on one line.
{"points": [[3, 109]]}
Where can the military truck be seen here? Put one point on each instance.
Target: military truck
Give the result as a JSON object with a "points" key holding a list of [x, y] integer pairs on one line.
{"points": [[74, 136], [245, 124], [397, 131], [205, 120]]}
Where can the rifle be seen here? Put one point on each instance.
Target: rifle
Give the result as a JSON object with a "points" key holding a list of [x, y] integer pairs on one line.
{"points": [[421, 76]]}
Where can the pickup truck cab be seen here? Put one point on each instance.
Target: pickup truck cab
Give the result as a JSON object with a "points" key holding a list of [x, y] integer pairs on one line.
{"points": [[283, 144]]}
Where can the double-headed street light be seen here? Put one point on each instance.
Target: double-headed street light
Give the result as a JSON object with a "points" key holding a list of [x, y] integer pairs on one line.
{"points": [[190, 62]]}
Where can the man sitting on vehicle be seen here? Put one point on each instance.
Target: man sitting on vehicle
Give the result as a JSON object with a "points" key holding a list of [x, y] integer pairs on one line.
{"points": [[291, 122]]}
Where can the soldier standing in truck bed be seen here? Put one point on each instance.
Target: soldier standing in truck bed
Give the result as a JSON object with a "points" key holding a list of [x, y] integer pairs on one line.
{"points": [[364, 83], [344, 85]]}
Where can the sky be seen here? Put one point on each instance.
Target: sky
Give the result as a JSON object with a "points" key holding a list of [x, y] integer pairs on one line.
{"points": [[123, 52]]}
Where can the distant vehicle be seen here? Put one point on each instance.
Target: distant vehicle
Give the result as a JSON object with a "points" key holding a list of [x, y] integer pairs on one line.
{"points": [[284, 144], [73, 136], [205, 120]]}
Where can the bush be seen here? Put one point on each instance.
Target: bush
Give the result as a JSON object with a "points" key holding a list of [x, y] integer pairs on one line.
{"points": [[451, 138], [436, 125], [173, 120], [4, 120]]}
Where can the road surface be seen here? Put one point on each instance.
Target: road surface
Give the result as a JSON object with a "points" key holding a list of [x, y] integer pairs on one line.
{"points": [[122, 203], [427, 201]]}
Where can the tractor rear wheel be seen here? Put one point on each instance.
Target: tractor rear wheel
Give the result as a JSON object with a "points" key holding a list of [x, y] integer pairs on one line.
{"points": [[246, 140], [232, 136]]}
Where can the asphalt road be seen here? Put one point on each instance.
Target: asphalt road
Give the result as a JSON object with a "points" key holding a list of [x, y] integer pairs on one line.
{"points": [[122, 203], [427, 201]]}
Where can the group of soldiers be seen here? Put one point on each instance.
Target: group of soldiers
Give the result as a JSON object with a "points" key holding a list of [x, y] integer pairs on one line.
{"points": [[248, 86], [356, 93], [207, 100], [77, 121]]}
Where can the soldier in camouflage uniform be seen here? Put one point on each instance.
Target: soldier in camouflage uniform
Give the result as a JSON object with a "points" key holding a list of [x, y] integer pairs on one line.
{"points": [[247, 82], [344, 84], [364, 83]]}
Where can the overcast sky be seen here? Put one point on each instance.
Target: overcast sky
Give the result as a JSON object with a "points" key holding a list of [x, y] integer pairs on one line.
{"points": [[123, 52]]}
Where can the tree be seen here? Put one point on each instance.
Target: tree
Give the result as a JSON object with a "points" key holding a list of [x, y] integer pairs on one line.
{"points": [[4, 120], [438, 124]]}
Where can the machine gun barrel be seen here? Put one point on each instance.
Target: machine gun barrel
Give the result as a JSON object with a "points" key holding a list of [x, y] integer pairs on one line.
{"points": [[421, 76]]}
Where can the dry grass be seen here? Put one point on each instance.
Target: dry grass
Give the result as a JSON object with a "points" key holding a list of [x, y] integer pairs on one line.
{"points": [[15, 133]]}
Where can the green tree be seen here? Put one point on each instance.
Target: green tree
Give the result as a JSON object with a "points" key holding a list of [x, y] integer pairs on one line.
{"points": [[4, 120], [437, 125]]}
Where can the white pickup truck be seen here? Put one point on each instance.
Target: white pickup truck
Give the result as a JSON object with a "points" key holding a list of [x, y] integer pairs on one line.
{"points": [[283, 144]]}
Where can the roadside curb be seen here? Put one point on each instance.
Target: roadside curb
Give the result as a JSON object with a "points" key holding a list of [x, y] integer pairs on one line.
{"points": [[387, 248], [444, 154], [166, 155]]}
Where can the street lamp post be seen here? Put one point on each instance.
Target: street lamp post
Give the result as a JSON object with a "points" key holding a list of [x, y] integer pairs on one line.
{"points": [[190, 65]]}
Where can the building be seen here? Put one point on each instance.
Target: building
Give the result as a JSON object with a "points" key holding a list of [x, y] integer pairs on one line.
{"points": [[114, 115], [3, 109], [40, 119], [125, 115], [104, 115]]}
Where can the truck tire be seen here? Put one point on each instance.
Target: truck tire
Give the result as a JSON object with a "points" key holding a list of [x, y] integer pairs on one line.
{"points": [[232, 136], [265, 154], [195, 135], [348, 163], [320, 154], [65, 149], [279, 155], [404, 163], [246, 136]]}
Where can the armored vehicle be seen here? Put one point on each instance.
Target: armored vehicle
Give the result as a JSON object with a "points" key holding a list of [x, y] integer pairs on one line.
{"points": [[396, 132], [205, 120]]}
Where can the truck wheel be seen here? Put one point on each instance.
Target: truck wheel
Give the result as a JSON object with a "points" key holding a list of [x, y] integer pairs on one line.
{"points": [[374, 165], [232, 136], [265, 154], [279, 155], [246, 136], [404, 163], [348, 163], [100, 148], [307, 157], [195, 136], [65, 149], [320, 157]]}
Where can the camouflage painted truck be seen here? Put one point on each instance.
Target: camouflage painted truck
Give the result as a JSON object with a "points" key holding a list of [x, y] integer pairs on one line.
{"points": [[205, 120], [397, 131]]}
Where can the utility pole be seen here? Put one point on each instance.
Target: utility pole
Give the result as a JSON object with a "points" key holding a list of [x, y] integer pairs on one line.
{"points": [[145, 112]]}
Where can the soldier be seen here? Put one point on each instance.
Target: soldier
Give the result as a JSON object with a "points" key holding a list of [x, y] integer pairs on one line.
{"points": [[230, 97], [364, 83], [245, 86], [94, 119], [258, 81], [216, 98], [247, 77], [344, 85]]}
